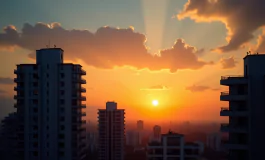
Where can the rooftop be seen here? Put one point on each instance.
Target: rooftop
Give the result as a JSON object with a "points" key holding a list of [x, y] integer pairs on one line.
{"points": [[43, 49], [253, 54]]}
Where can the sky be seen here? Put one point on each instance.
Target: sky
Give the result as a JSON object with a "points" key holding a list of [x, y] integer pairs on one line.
{"points": [[137, 51]]}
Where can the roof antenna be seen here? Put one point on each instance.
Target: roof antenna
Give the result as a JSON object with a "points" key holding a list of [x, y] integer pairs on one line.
{"points": [[247, 53], [54, 46]]}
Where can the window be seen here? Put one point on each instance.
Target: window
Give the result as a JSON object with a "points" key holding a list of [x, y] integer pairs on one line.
{"points": [[62, 127], [47, 84], [61, 118], [47, 127], [47, 137], [61, 136], [47, 75], [35, 153], [35, 84], [35, 67], [62, 75], [47, 144], [62, 84], [35, 127], [61, 145], [35, 135], [47, 110], [62, 101], [35, 101], [62, 92], [35, 92], [47, 118], [35, 76], [35, 110], [47, 66], [35, 144], [61, 154]]}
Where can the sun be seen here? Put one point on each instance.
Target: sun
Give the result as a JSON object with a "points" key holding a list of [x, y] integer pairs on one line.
{"points": [[155, 102]]}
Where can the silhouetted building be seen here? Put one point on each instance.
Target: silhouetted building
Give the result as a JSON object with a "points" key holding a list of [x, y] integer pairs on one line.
{"points": [[92, 141], [246, 110], [111, 132], [140, 125], [173, 146], [8, 137], [132, 138], [49, 107], [156, 136], [214, 141]]}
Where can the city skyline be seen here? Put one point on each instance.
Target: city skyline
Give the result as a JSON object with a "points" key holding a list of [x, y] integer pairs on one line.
{"points": [[120, 67]]}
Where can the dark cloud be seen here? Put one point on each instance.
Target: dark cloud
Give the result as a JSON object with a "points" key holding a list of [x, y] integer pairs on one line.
{"points": [[157, 87], [228, 63], [200, 88], [241, 17], [106, 48], [6, 80]]}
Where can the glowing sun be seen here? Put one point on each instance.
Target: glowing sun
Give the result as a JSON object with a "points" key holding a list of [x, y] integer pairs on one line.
{"points": [[155, 102]]}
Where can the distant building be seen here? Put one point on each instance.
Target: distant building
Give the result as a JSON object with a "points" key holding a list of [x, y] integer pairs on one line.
{"points": [[214, 141], [50, 109], [156, 136], [132, 138], [173, 146], [245, 110], [8, 137], [92, 141], [140, 125], [111, 132]]}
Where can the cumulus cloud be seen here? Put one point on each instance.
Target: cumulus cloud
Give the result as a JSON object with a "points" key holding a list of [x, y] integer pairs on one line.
{"points": [[6, 80], [241, 17], [228, 63], [200, 88], [106, 48], [157, 87], [261, 43]]}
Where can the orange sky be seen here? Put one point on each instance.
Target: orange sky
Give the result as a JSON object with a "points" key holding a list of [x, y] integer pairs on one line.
{"points": [[175, 52]]}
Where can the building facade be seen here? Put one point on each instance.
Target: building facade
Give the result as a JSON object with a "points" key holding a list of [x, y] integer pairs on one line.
{"points": [[213, 141], [8, 137], [173, 146], [111, 132], [50, 109], [246, 110]]}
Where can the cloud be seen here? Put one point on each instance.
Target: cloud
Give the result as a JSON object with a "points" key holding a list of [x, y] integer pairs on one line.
{"points": [[6, 80], [241, 17], [200, 88], [156, 87], [228, 63], [261, 43], [106, 48]]}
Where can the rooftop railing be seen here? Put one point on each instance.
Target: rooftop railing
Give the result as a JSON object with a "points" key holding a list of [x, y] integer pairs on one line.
{"points": [[231, 76]]}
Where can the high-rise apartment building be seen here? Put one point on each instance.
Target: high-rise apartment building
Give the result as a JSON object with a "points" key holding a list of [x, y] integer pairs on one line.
{"points": [[246, 110], [50, 109], [111, 132], [140, 125]]}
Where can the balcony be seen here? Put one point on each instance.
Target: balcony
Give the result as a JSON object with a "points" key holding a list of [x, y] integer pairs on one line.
{"points": [[236, 113], [233, 80], [233, 146], [82, 72], [226, 96], [226, 127], [83, 89], [83, 98]]}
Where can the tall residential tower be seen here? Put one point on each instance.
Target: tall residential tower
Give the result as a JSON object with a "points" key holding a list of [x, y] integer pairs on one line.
{"points": [[111, 132], [50, 109], [246, 110]]}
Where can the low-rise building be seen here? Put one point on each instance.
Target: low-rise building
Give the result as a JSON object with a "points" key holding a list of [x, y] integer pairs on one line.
{"points": [[173, 147]]}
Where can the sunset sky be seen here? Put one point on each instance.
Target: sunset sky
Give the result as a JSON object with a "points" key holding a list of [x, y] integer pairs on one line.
{"points": [[137, 51]]}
